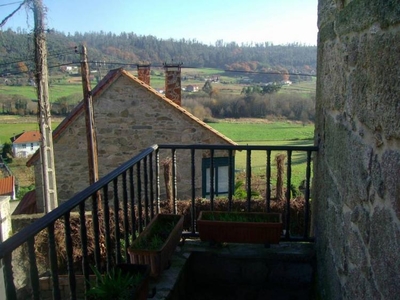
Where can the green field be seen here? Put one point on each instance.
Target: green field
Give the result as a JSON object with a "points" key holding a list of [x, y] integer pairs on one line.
{"points": [[254, 133], [55, 91], [272, 134], [13, 125]]}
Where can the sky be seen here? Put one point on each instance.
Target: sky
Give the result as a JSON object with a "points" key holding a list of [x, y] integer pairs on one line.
{"points": [[240, 21]]}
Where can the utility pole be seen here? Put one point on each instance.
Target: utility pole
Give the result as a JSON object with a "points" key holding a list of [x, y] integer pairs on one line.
{"points": [[41, 76], [89, 117]]}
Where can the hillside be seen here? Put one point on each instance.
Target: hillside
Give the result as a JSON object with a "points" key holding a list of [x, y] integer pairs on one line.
{"points": [[128, 48]]}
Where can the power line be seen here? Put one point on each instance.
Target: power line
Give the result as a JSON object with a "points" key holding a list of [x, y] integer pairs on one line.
{"points": [[32, 58], [10, 3], [10, 15]]}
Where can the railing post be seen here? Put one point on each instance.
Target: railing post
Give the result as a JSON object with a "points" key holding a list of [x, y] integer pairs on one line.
{"points": [[106, 212], [212, 179], [268, 177], [151, 173], [70, 260], [288, 188], [174, 183], [139, 197], [230, 179], [53, 262], [248, 178], [158, 180], [125, 212], [193, 173], [146, 192], [33, 270], [84, 243], [116, 223], [9, 278], [307, 197], [132, 203]]}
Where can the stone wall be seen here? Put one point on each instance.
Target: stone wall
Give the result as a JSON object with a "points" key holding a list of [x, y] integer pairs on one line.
{"points": [[129, 118], [356, 204], [5, 232]]}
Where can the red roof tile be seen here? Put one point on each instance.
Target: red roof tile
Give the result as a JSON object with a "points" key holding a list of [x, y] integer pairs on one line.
{"points": [[27, 137], [6, 186]]}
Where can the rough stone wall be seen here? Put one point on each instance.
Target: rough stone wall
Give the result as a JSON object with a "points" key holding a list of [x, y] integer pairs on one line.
{"points": [[356, 204], [128, 119]]}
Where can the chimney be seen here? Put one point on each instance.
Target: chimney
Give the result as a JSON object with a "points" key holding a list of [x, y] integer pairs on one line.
{"points": [[173, 82], [143, 72]]}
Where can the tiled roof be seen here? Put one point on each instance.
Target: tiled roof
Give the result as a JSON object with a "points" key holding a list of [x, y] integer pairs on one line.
{"points": [[111, 77], [7, 186], [27, 205], [27, 137]]}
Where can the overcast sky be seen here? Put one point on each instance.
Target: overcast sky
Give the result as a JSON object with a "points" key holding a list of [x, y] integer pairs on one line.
{"points": [[241, 21]]}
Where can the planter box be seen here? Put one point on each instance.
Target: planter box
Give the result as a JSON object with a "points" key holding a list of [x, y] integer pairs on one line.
{"points": [[211, 228], [141, 291], [158, 259]]}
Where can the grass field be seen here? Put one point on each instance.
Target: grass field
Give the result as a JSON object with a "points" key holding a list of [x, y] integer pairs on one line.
{"points": [[272, 134], [12, 125]]}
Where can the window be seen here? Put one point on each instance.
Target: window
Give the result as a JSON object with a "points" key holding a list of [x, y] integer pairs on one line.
{"points": [[221, 175], [31, 146], [23, 146]]}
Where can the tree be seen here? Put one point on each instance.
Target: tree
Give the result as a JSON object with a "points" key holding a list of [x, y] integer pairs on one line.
{"points": [[7, 150], [22, 67]]}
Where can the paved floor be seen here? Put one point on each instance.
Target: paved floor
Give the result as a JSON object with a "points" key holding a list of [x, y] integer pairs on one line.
{"points": [[284, 281]]}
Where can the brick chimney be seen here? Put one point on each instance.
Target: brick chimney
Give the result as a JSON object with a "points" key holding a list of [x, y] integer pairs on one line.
{"points": [[173, 82], [144, 73]]}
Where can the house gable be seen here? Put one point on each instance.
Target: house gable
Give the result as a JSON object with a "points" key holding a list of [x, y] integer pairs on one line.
{"points": [[129, 116], [26, 143]]}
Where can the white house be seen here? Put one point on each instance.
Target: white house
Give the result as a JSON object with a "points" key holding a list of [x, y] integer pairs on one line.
{"points": [[26, 143]]}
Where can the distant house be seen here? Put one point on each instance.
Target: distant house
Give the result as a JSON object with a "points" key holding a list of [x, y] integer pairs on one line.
{"points": [[130, 116], [192, 88], [7, 187], [25, 144]]}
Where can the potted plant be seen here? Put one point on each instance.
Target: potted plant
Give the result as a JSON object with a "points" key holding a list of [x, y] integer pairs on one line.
{"points": [[240, 227], [125, 281], [156, 244]]}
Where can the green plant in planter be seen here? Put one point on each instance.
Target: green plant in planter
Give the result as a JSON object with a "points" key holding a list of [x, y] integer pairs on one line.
{"points": [[157, 236], [240, 217], [114, 285]]}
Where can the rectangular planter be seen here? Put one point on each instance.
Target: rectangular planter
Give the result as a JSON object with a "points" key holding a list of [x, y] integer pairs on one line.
{"points": [[265, 232], [141, 291], [157, 259]]}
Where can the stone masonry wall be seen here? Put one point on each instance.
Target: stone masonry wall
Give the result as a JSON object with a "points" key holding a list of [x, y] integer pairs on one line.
{"points": [[356, 204], [128, 119]]}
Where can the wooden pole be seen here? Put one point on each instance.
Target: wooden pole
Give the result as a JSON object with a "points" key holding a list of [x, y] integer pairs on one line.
{"points": [[89, 117], [41, 76], [90, 127]]}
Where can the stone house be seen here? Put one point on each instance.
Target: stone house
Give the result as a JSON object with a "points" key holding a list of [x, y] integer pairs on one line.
{"points": [[129, 117]]}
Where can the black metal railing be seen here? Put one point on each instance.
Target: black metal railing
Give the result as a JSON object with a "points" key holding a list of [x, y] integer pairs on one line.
{"points": [[118, 206]]}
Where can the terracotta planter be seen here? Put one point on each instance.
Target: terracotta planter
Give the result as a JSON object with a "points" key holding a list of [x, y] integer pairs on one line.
{"points": [[158, 259], [255, 228]]}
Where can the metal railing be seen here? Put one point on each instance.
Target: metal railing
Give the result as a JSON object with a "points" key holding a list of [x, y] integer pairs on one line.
{"points": [[121, 204]]}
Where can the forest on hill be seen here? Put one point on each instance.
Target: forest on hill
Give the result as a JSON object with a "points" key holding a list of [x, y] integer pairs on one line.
{"points": [[17, 49]]}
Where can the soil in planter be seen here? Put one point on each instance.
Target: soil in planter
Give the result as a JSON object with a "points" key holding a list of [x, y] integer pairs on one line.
{"points": [[240, 217], [158, 234]]}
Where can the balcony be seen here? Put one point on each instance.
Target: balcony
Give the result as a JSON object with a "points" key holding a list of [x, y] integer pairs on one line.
{"points": [[85, 227]]}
